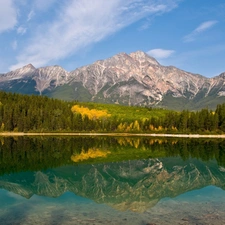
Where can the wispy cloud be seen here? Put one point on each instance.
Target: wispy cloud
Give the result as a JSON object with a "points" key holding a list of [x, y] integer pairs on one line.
{"points": [[201, 28], [30, 15], [8, 15], [80, 24], [159, 53], [146, 24]]}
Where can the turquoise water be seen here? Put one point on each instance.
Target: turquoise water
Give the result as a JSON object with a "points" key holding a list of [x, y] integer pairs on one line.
{"points": [[163, 182], [204, 206]]}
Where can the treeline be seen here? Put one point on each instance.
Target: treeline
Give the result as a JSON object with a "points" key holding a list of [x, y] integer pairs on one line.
{"points": [[22, 113]]}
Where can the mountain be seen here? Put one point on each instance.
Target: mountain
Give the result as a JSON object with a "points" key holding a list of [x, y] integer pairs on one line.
{"points": [[29, 80], [128, 79], [135, 185]]}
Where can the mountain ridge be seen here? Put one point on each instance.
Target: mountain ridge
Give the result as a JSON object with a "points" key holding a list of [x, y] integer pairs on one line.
{"points": [[128, 79]]}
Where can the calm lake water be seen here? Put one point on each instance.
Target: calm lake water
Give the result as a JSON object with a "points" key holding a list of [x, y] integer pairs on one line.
{"points": [[112, 180]]}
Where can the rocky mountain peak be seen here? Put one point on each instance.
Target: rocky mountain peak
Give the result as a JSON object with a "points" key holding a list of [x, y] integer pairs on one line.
{"points": [[142, 57], [118, 60], [222, 75], [20, 73], [50, 77], [25, 69], [29, 66], [54, 70]]}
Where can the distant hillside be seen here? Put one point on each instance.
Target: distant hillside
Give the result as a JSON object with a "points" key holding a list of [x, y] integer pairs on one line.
{"points": [[125, 79]]}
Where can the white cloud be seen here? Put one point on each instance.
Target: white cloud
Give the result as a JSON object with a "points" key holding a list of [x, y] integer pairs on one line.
{"points": [[201, 28], [8, 15], [80, 24], [159, 53], [30, 15], [21, 30], [204, 26]]}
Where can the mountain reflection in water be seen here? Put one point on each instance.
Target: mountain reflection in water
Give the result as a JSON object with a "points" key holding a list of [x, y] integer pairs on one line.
{"points": [[125, 173]]}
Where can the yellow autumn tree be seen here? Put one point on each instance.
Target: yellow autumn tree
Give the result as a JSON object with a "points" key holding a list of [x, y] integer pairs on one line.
{"points": [[136, 126], [122, 127], [90, 113], [151, 127]]}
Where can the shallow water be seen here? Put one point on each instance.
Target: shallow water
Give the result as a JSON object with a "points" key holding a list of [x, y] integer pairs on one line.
{"points": [[172, 189], [204, 206]]}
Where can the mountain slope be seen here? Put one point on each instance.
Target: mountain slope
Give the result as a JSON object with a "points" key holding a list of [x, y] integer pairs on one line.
{"points": [[129, 79]]}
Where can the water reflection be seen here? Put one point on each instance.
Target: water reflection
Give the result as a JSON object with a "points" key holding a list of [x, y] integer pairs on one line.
{"points": [[33, 154], [91, 153], [124, 173], [135, 185]]}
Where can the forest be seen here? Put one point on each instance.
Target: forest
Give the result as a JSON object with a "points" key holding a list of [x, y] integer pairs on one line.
{"points": [[23, 113]]}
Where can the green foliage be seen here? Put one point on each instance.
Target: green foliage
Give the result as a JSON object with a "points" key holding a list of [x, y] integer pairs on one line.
{"points": [[127, 113]]}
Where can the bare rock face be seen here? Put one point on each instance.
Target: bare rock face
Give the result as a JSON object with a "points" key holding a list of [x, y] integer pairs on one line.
{"points": [[138, 79], [119, 68], [129, 79], [46, 77], [18, 73]]}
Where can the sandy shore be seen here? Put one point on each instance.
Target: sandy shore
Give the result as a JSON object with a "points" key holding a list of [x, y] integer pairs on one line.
{"points": [[114, 134]]}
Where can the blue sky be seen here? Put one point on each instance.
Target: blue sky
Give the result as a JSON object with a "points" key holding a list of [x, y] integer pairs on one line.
{"points": [[188, 34]]}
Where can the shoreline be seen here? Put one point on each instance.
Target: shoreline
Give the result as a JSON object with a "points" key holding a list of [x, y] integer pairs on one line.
{"points": [[8, 134]]}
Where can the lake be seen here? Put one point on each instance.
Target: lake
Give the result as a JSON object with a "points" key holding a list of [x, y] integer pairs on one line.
{"points": [[112, 180]]}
